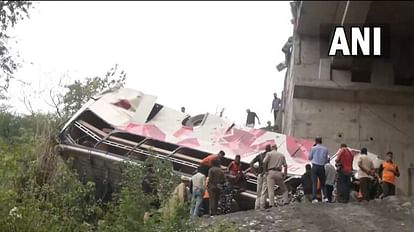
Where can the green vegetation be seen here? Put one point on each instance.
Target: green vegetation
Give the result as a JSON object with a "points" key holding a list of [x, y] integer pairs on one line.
{"points": [[40, 192], [224, 227]]}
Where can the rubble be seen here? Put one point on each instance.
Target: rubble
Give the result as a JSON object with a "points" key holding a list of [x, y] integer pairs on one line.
{"points": [[407, 204], [378, 215]]}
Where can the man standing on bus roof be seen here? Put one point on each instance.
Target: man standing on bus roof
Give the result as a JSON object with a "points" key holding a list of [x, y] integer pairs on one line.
{"points": [[251, 118], [275, 107]]}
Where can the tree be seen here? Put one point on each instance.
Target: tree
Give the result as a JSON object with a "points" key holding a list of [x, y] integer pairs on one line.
{"points": [[81, 91], [73, 96], [10, 13]]}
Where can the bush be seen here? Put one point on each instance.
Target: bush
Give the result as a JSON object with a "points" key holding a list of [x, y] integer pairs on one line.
{"points": [[130, 205], [41, 193], [60, 203]]}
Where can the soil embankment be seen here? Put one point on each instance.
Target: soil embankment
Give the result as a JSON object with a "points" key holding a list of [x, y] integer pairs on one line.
{"points": [[392, 214]]}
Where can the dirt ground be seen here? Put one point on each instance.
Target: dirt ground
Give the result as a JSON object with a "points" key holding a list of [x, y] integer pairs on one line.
{"points": [[392, 214]]}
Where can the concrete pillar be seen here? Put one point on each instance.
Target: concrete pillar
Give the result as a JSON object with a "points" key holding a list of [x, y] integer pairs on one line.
{"points": [[410, 179], [324, 69], [296, 50]]}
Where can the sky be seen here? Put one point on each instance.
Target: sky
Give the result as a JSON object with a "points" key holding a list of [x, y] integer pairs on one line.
{"points": [[200, 55]]}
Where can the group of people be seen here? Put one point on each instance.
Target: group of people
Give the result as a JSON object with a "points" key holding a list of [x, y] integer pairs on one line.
{"points": [[321, 177], [209, 180], [202, 191], [319, 182], [270, 168]]}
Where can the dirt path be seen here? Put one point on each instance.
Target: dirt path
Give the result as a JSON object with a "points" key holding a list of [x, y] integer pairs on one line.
{"points": [[388, 215]]}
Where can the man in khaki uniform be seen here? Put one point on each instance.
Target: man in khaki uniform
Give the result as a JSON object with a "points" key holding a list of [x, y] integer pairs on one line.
{"points": [[261, 186], [182, 192], [275, 161], [180, 197]]}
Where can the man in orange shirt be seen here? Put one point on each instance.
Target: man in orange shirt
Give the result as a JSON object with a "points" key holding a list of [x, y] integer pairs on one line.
{"points": [[208, 161], [235, 170], [387, 172]]}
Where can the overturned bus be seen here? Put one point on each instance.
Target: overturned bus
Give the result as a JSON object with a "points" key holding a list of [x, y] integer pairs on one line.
{"points": [[128, 125]]}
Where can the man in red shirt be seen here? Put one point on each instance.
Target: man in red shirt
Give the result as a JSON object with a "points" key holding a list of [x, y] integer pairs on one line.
{"points": [[344, 161]]}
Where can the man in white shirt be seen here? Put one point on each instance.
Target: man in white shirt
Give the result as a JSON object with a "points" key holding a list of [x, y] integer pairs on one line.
{"points": [[330, 173], [199, 183], [365, 174]]}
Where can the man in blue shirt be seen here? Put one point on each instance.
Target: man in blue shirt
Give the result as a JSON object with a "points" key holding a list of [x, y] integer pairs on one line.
{"points": [[318, 156]]}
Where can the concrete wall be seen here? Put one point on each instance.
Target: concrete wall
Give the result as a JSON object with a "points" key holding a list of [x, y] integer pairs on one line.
{"points": [[380, 127], [382, 73], [287, 110]]}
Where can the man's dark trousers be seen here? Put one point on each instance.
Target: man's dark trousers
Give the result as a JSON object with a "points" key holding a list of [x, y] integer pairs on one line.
{"points": [[344, 186], [365, 183], [318, 172], [214, 196], [275, 115]]}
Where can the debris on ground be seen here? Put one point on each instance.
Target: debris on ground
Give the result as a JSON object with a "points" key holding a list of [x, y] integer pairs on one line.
{"points": [[392, 214]]}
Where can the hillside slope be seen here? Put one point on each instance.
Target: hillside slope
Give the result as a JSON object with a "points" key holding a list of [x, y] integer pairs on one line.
{"points": [[392, 214]]}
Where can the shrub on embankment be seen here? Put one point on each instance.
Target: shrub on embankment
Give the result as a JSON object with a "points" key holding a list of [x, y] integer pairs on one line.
{"points": [[41, 193]]}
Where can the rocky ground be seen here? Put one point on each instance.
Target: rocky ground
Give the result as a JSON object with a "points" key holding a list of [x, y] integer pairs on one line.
{"points": [[392, 214]]}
